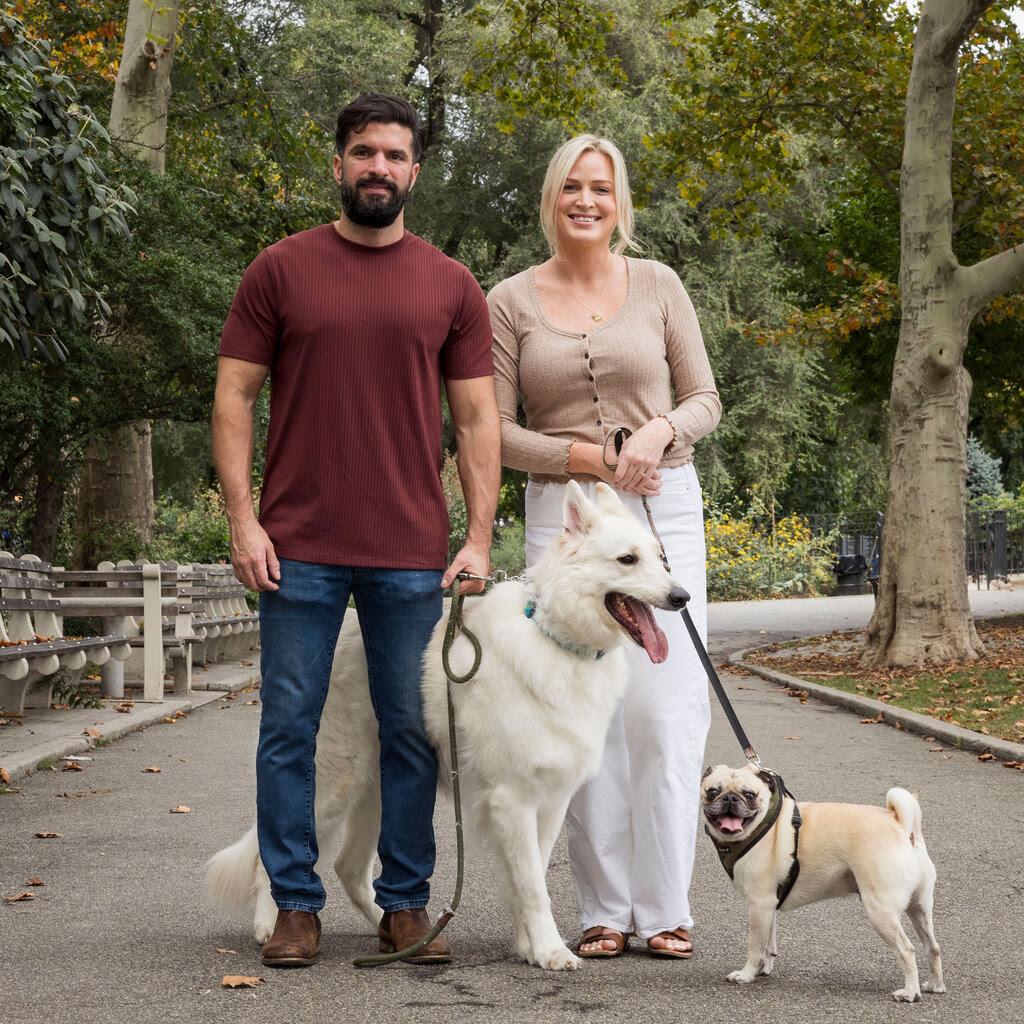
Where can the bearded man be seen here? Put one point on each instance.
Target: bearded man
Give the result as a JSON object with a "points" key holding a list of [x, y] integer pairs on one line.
{"points": [[356, 323]]}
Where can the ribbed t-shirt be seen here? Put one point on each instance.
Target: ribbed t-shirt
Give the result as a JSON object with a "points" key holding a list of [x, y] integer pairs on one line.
{"points": [[358, 340], [647, 360]]}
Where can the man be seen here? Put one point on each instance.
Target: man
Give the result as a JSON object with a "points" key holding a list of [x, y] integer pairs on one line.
{"points": [[356, 323]]}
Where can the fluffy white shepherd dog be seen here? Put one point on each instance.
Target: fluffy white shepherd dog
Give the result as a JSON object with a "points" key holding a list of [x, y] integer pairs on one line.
{"points": [[530, 724]]}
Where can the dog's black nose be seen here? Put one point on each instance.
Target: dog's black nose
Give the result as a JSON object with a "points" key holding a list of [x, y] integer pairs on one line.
{"points": [[677, 597]]}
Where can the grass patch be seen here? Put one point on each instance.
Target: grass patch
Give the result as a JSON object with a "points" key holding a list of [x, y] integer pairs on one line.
{"points": [[986, 696]]}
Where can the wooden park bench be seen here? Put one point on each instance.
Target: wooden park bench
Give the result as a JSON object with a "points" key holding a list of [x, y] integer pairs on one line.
{"points": [[32, 642], [225, 624], [147, 606]]}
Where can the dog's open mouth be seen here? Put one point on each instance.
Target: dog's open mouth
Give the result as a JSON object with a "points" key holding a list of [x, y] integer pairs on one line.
{"points": [[637, 619], [727, 824]]}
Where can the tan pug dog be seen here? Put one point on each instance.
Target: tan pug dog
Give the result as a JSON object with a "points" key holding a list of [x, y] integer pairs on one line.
{"points": [[878, 853]]}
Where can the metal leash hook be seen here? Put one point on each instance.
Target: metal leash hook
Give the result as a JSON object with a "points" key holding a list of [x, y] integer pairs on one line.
{"points": [[455, 625]]}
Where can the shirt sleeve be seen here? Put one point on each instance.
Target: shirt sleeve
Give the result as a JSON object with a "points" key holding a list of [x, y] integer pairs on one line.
{"points": [[467, 352], [697, 407], [520, 448], [252, 328]]}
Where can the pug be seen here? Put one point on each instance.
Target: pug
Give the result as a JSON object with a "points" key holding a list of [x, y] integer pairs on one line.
{"points": [[781, 856]]}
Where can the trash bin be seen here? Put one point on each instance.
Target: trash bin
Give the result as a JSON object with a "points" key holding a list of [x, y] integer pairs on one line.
{"points": [[850, 571]]}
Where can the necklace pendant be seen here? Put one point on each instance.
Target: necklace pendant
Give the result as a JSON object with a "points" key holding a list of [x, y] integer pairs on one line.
{"points": [[596, 317]]}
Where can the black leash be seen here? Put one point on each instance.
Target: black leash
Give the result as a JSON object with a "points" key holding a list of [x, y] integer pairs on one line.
{"points": [[618, 435], [727, 852]]}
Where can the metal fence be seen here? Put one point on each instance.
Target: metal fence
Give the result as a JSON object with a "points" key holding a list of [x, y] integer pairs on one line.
{"points": [[994, 545]]}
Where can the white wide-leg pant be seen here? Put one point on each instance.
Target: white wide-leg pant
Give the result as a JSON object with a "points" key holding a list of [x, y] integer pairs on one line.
{"points": [[633, 828]]}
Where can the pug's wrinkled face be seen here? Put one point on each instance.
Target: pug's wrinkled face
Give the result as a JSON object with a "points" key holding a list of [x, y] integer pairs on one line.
{"points": [[734, 800]]}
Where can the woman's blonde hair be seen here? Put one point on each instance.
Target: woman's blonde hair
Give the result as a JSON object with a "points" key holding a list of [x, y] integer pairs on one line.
{"points": [[557, 173]]}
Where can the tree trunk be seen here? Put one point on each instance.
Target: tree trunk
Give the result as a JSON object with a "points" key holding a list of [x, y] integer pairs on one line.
{"points": [[117, 482], [142, 93], [113, 505], [49, 500], [922, 614]]}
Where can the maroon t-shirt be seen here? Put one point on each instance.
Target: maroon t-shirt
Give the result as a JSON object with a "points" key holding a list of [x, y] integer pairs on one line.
{"points": [[357, 340]]}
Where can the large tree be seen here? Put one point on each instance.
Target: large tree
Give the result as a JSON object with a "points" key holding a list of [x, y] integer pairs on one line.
{"points": [[922, 613], [766, 90], [116, 483]]}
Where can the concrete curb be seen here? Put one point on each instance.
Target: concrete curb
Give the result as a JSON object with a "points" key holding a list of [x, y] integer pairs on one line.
{"points": [[23, 762], [945, 732]]}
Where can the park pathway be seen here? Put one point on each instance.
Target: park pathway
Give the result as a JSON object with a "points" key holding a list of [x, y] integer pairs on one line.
{"points": [[120, 933]]}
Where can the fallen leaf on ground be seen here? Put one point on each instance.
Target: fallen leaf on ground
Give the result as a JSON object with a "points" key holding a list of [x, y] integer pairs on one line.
{"points": [[794, 737], [986, 757], [4, 777], [935, 750], [240, 981], [219, 950], [47, 835], [71, 766], [181, 809], [152, 770], [35, 881], [246, 663], [21, 896], [94, 733]]}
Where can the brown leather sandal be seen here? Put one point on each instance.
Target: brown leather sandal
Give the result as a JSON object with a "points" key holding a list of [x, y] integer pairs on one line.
{"points": [[682, 934], [596, 934]]}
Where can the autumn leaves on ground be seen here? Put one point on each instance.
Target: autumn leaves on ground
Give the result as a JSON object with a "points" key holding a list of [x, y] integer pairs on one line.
{"points": [[986, 696]]}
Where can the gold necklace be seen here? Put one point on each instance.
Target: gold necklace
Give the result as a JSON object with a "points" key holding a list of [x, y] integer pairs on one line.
{"points": [[594, 315]]}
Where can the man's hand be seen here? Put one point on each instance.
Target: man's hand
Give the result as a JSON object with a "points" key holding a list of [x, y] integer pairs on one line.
{"points": [[253, 557], [471, 558]]}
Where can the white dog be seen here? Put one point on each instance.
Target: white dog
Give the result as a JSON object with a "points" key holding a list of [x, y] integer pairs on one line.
{"points": [[530, 724]]}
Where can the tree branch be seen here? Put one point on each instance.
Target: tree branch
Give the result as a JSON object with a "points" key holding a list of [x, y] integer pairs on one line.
{"points": [[986, 281]]}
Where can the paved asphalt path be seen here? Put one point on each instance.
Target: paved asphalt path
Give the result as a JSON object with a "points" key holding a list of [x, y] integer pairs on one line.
{"points": [[120, 931]]}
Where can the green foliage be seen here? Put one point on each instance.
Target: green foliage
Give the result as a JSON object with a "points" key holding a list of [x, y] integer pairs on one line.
{"points": [[54, 199], [984, 474], [544, 58], [195, 531], [746, 562], [64, 691], [458, 518], [508, 552]]}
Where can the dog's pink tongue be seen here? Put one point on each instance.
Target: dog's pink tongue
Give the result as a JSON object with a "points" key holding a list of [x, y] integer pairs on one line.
{"points": [[727, 824], [655, 641]]}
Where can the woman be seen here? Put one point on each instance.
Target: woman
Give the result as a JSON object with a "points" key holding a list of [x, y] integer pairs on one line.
{"points": [[592, 340]]}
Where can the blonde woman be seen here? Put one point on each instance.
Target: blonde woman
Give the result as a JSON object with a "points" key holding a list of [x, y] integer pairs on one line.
{"points": [[589, 341]]}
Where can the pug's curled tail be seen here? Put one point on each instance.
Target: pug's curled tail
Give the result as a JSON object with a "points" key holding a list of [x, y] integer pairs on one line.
{"points": [[907, 812]]}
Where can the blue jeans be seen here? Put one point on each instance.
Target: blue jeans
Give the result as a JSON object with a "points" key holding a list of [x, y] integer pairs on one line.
{"points": [[299, 625]]}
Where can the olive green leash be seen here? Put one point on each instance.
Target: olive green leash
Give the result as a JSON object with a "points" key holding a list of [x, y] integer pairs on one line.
{"points": [[455, 626]]}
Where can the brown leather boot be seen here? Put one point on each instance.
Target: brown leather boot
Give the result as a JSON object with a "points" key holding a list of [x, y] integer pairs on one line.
{"points": [[295, 942], [400, 929]]}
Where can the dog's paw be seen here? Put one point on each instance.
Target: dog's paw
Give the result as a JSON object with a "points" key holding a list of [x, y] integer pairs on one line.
{"points": [[559, 959], [904, 995], [743, 977], [932, 986]]}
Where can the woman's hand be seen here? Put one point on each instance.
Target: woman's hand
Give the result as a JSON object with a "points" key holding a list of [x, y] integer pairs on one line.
{"points": [[637, 471]]}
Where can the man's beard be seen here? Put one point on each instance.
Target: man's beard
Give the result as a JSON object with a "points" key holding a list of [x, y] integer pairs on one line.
{"points": [[373, 211]]}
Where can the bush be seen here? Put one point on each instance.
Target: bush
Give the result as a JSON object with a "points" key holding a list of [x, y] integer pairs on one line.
{"points": [[746, 562], [191, 532]]}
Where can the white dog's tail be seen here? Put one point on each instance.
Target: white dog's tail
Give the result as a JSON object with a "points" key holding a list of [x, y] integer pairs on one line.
{"points": [[907, 811], [232, 874]]}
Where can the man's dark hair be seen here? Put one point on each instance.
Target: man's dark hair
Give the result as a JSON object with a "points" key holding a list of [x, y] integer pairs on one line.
{"points": [[378, 108]]}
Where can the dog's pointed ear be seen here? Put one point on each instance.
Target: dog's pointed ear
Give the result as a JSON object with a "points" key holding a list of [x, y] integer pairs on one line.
{"points": [[606, 498], [578, 512]]}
